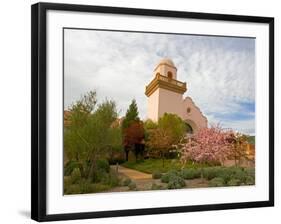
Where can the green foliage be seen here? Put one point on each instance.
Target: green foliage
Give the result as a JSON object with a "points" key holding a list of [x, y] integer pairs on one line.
{"points": [[90, 136], [234, 182], [250, 180], [240, 175], [250, 172], [85, 187], [162, 137], [175, 182], [86, 103], [230, 175], [211, 172], [69, 167], [75, 176], [149, 124], [216, 182], [156, 187], [190, 173], [169, 175], [132, 186], [110, 179], [174, 125], [156, 175], [155, 165], [132, 114], [127, 181], [82, 186], [103, 165]]}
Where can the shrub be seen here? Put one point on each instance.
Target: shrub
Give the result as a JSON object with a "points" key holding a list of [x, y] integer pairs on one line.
{"points": [[132, 186], [72, 189], [156, 187], [66, 183], [216, 182], [110, 179], [127, 181], [86, 187], [250, 172], [233, 182], [166, 177], [211, 172], [67, 180], [75, 176], [98, 188], [69, 167], [190, 173], [240, 175], [226, 174], [250, 180], [103, 165], [176, 182], [114, 180], [156, 175]]}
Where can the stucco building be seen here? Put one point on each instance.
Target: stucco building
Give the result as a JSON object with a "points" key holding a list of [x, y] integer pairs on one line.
{"points": [[165, 95]]}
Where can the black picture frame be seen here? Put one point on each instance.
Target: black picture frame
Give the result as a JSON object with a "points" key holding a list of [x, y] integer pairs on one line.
{"points": [[38, 110]]}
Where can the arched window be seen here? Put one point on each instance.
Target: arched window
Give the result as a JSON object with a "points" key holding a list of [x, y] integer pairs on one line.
{"points": [[188, 129], [170, 75]]}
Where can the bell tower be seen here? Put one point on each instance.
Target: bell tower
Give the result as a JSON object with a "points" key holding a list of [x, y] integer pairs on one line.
{"points": [[164, 92]]}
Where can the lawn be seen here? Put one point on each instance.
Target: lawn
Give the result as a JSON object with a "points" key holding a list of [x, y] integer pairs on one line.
{"points": [[156, 165]]}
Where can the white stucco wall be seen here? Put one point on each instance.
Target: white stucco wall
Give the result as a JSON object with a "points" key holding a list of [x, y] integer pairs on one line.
{"points": [[153, 106], [169, 102], [195, 117], [166, 101]]}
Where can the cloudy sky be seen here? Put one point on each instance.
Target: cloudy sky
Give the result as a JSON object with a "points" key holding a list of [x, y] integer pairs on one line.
{"points": [[219, 71]]}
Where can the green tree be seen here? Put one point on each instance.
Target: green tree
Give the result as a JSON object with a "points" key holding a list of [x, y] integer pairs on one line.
{"points": [[132, 115], [90, 134], [174, 125], [148, 126], [163, 136], [130, 122], [160, 142], [80, 112]]}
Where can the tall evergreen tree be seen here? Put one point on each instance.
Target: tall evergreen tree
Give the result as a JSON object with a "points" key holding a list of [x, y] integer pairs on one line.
{"points": [[132, 115], [132, 129]]}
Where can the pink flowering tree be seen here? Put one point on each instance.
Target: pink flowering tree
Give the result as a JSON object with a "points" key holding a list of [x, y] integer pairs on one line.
{"points": [[208, 145]]}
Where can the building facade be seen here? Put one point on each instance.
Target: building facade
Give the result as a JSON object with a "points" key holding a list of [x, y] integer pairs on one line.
{"points": [[165, 95]]}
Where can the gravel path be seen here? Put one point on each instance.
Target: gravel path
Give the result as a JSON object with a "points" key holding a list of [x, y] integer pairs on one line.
{"points": [[132, 174]]}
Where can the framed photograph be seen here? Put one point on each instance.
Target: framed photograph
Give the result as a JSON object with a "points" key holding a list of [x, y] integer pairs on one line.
{"points": [[140, 111]]}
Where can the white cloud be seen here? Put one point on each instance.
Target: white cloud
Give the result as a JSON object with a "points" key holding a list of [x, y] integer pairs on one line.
{"points": [[219, 71]]}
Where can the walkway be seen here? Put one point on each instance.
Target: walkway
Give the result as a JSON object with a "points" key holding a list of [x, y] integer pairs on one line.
{"points": [[132, 174]]}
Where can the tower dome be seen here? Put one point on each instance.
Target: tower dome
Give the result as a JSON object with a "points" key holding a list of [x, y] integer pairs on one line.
{"points": [[167, 61], [166, 67]]}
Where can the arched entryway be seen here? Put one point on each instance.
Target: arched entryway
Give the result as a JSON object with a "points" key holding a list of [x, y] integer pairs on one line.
{"points": [[191, 127]]}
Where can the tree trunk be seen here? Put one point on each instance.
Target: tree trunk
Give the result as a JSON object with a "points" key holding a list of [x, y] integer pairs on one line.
{"points": [[136, 150], [92, 169], [127, 154]]}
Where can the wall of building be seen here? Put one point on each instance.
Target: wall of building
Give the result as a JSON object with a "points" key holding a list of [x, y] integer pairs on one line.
{"points": [[153, 106], [169, 102], [194, 116]]}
